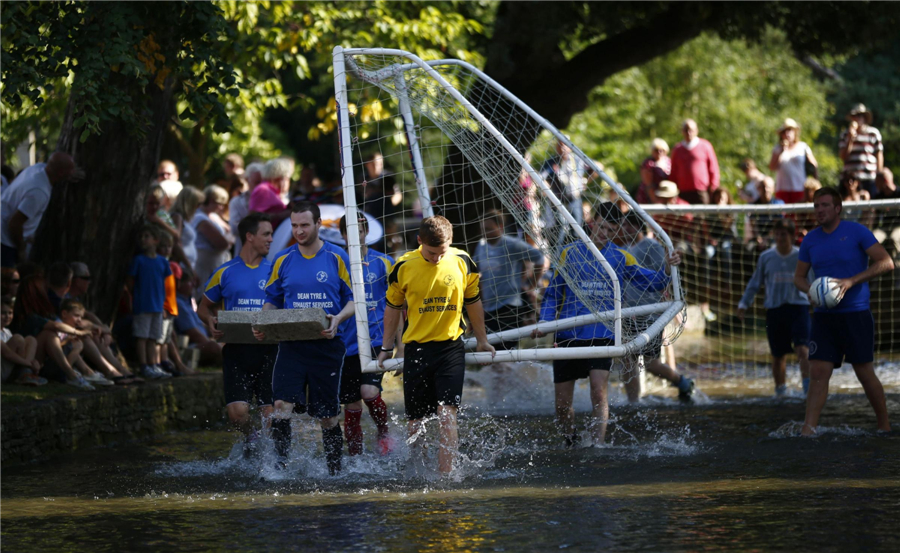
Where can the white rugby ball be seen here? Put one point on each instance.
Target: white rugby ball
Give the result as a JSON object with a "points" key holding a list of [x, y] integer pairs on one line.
{"points": [[825, 292]]}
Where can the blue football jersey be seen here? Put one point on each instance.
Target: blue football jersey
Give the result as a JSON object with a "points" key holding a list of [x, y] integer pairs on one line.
{"points": [[242, 287]]}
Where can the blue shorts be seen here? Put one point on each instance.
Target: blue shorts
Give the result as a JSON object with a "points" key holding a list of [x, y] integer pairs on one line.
{"points": [[836, 335], [308, 373], [785, 325]]}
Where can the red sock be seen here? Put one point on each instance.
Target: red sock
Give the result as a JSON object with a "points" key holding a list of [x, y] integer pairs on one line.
{"points": [[353, 431], [378, 410]]}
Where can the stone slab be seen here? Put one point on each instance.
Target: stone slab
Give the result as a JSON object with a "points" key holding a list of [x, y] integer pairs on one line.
{"points": [[292, 324], [237, 326]]}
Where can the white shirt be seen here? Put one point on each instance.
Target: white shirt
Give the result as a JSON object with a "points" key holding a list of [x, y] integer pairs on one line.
{"points": [[792, 169], [238, 208], [30, 194]]}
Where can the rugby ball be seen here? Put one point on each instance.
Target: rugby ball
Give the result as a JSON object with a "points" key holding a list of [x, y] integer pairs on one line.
{"points": [[825, 292]]}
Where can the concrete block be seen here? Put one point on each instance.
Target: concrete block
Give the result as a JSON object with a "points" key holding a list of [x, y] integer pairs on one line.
{"points": [[237, 327], [292, 324]]}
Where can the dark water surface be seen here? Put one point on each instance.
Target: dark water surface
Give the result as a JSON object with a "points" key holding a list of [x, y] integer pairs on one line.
{"points": [[727, 472]]}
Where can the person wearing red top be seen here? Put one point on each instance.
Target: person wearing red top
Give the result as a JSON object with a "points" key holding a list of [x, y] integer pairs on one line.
{"points": [[695, 168], [266, 197]]}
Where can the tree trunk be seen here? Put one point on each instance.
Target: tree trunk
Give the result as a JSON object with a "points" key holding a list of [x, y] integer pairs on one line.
{"points": [[95, 221]]}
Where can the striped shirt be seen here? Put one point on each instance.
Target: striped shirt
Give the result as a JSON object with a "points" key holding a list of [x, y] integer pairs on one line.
{"points": [[862, 161]]}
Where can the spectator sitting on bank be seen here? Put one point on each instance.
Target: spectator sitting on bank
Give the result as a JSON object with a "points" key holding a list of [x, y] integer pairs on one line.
{"points": [[188, 323], [71, 313], [182, 214], [59, 280], [790, 158], [270, 196], [24, 203], [9, 282], [851, 191], [239, 206], [101, 335], [884, 182], [750, 190], [17, 352], [760, 228], [146, 282], [214, 238], [169, 359], [33, 315], [695, 168], [654, 170]]}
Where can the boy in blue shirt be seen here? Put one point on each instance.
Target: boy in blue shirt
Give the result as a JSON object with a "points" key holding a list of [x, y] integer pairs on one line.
{"points": [[307, 374], [146, 283], [560, 302], [841, 250], [787, 308], [240, 285], [358, 387]]}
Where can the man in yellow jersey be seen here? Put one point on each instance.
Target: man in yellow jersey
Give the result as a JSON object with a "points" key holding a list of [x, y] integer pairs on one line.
{"points": [[435, 281]]}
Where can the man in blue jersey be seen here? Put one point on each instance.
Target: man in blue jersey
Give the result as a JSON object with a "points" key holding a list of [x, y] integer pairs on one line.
{"points": [[561, 302], [841, 250], [307, 373], [787, 308], [358, 387], [240, 285]]}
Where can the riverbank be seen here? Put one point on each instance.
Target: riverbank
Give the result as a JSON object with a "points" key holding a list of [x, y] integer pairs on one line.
{"points": [[37, 424]]}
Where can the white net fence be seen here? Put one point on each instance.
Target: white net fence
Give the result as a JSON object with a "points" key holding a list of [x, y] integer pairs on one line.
{"points": [[442, 138], [722, 245]]}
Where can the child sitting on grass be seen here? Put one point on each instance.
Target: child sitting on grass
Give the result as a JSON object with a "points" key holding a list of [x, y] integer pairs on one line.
{"points": [[17, 351]]}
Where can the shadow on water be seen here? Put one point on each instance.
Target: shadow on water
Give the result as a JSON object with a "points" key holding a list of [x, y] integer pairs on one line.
{"points": [[725, 472]]}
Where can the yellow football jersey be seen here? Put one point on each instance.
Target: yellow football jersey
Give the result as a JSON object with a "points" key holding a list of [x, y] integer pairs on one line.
{"points": [[434, 293]]}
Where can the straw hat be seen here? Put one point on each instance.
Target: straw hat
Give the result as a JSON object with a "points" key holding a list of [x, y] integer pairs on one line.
{"points": [[788, 124], [667, 189], [860, 109]]}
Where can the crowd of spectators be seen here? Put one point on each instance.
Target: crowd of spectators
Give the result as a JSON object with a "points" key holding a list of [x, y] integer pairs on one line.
{"points": [[188, 232]]}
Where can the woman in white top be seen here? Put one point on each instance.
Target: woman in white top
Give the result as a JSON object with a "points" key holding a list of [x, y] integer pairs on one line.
{"points": [[182, 213], [214, 238], [789, 158]]}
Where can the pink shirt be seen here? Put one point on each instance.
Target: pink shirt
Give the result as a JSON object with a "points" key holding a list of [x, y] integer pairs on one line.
{"points": [[696, 168], [266, 198]]}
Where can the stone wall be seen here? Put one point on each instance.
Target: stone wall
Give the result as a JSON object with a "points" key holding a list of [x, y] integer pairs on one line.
{"points": [[45, 428]]}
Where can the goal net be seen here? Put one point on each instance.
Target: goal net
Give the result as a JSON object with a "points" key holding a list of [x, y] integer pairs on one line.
{"points": [[722, 245], [441, 138]]}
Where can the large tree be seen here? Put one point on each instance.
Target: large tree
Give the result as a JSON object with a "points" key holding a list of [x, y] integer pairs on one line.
{"points": [[553, 54], [124, 58]]}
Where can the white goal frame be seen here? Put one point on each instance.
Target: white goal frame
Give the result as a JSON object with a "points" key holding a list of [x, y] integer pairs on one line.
{"points": [[344, 67]]}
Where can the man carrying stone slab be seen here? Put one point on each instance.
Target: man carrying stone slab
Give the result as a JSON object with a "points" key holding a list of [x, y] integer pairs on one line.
{"points": [[240, 285], [307, 373]]}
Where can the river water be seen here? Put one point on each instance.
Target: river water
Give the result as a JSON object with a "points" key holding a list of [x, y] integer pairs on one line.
{"points": [[727, 471]]}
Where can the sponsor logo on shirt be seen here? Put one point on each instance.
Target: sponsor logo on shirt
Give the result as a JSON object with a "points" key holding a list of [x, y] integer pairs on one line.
{"points": [[448, 280], [371, 277], [261, 284], [321, 276]]}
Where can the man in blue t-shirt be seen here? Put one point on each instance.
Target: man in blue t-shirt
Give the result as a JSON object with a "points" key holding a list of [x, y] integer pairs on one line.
{"points": [[560, 302], [240, 285], [358, 387], [307, 374], [841, 250]]}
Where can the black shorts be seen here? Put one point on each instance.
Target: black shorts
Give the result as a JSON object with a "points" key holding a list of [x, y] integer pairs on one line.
{"points": [[433, 374], [567, 370], [507, 317], [247, 372], [836, 335], [309, 373], [786, 325], [352, 378]]}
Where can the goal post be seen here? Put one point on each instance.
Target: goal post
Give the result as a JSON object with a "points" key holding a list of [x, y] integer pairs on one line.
{"points": [[388, 98]]}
